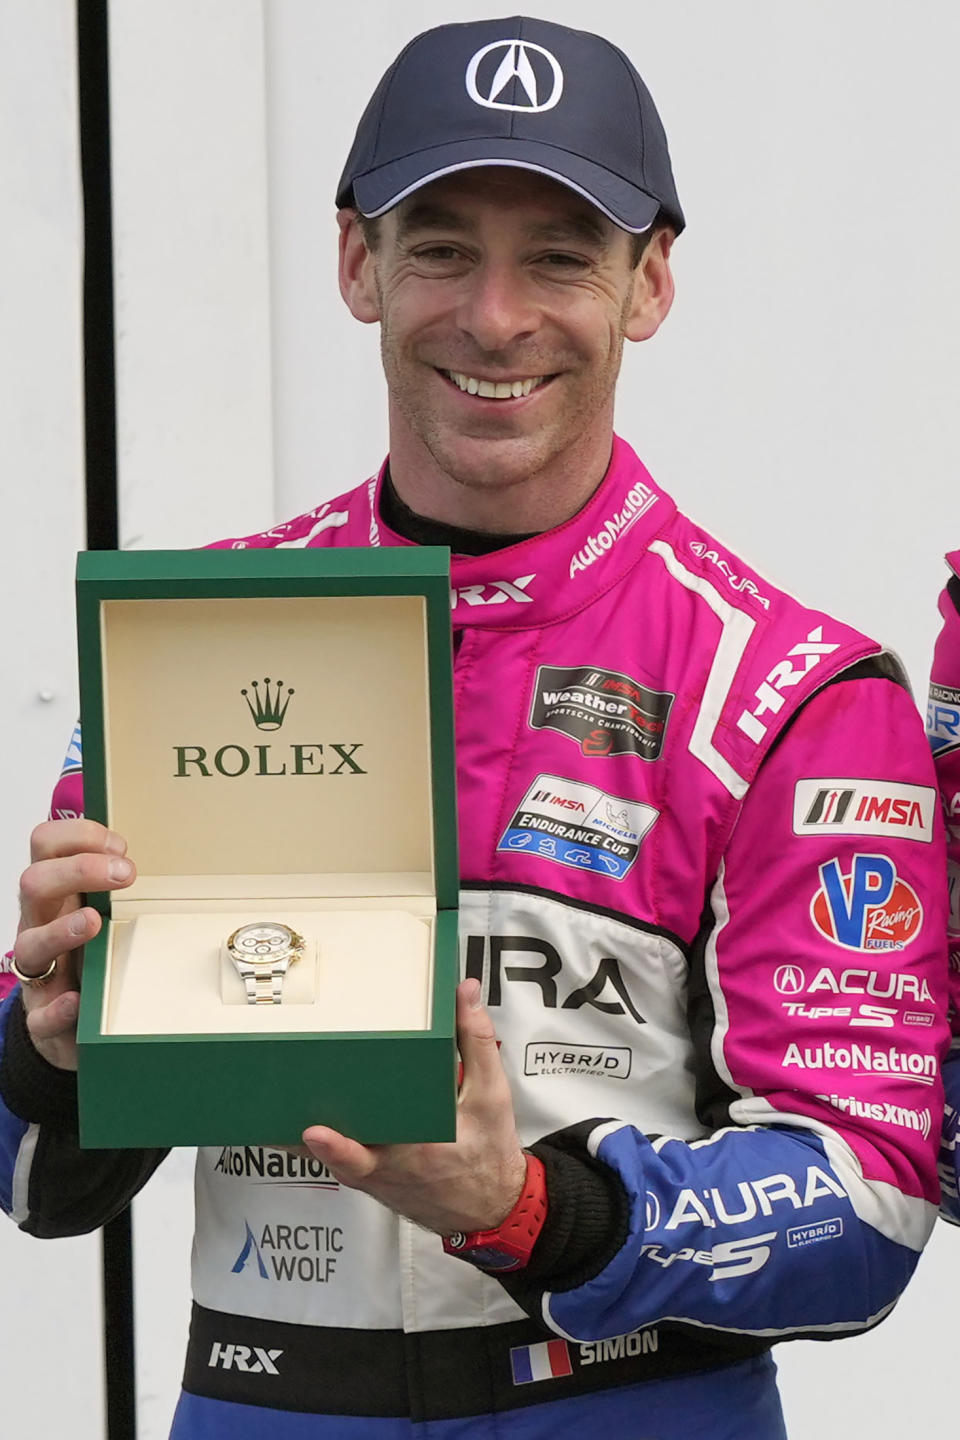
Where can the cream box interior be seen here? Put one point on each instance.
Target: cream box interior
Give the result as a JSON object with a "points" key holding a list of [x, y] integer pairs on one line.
{"points": [[268, 758]]}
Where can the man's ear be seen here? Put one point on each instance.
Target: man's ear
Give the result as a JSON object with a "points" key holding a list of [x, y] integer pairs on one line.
{"points": [[357, 278], [652, 288]]}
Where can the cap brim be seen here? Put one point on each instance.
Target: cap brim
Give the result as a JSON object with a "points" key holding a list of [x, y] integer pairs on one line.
{"points": [[627, 206]]}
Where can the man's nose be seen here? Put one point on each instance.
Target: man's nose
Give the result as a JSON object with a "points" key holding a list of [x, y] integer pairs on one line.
{"points": [[498, 308]]}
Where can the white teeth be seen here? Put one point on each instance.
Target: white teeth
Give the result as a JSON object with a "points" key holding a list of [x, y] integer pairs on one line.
{"points": [[495, 389]]}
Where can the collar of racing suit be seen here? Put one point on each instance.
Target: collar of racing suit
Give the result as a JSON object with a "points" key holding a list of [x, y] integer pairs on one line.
{"points": [[396, 513], [546, 578]]}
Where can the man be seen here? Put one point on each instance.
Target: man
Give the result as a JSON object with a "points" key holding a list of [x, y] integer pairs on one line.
{"points": [[701, 857], [943, 729]]}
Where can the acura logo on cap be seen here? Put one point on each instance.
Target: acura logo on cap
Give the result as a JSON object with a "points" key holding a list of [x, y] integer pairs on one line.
{"points": [[516, 63]]}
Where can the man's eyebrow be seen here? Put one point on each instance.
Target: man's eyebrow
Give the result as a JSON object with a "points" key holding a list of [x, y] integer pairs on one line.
{"points": [[572, 227], [427, 215]]}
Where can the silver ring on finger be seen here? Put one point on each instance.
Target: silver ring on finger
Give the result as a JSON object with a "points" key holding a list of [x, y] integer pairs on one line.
{"points": [[37, 981]]}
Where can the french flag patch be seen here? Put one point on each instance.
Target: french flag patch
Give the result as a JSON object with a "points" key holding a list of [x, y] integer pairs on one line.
{"points": [[546, 1361]]}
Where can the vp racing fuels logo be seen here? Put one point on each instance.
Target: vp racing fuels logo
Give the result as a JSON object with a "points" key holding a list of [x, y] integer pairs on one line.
{"points": [[493, 70], [871, 908], [604, 712], [573, 824]]}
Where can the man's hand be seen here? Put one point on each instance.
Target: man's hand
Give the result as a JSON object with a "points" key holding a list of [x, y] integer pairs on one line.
{"points": [[472, 1184], [68, 858]]}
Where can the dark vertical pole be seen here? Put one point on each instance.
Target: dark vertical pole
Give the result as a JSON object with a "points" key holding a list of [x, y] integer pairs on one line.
{"points": [[100, 416], [100, 395]]}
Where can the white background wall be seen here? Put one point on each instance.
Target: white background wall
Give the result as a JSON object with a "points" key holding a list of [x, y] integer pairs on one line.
{"points": [[798, 402]]}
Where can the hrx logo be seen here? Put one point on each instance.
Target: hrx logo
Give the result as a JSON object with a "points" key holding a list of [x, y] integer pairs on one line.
{"points": [[250, 1359], [496, 592], [769, 697]]}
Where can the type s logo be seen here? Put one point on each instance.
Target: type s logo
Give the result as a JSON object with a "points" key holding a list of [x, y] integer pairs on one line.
{"points": [[727, 1260]]}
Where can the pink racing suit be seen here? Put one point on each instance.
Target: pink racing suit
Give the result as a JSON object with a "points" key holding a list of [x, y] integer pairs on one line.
{"points": [[943, 731], [702, 887]]}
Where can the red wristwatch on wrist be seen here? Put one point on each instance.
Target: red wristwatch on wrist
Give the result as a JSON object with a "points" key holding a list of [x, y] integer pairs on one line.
{"points": [[509, 1246]]}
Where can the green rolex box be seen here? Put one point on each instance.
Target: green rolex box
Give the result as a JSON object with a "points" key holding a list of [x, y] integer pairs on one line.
{"points": [[272, 733]]}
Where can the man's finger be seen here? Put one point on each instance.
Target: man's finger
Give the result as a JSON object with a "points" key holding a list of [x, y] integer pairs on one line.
{"points": [[54, 838], [37, 946], [46, 884], [53, 1021], [476, 1038], [350, 1162]]}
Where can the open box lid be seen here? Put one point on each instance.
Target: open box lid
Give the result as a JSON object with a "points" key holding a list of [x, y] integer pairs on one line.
{"points": [[271, 721]]}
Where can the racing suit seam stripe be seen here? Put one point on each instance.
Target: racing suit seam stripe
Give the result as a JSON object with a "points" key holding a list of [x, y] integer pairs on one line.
{"points": [[597, 1136], [20, 1189], [711, 970], [737, 630], [911, 1218], [521, 887], [833, 1328]]}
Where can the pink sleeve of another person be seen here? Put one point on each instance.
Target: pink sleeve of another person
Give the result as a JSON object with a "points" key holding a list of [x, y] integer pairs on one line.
{"points": [[943, 729]]}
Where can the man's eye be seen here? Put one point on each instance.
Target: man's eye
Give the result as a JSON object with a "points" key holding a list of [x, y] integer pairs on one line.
{"points": [[560, 260], [437, 254]]}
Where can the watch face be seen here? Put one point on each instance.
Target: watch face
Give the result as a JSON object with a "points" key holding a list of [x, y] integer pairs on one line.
{"points": [[491, 1257], [263, 942]]}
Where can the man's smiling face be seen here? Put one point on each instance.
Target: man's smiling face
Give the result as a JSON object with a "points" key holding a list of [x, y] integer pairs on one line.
{"points": [[504, 299]]}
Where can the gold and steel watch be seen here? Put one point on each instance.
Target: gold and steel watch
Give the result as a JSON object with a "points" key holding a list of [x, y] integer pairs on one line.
{"points": [[262, 953]]}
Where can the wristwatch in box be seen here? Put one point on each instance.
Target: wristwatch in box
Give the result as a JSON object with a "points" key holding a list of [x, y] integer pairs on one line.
{"points": [[262, 953]]}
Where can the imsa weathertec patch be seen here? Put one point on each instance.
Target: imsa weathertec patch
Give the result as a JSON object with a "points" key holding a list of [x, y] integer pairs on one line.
{"points": [[604, 712]]}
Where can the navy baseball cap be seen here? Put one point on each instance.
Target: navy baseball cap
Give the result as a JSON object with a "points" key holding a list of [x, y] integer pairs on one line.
{"points": [[520, 92]]}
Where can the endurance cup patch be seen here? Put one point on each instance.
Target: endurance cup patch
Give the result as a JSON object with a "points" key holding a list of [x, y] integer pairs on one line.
{"points": [[604, 712], [578, 825]]}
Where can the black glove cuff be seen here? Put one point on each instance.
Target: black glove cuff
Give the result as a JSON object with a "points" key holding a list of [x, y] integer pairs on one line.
{"points": [[30, 1086]]}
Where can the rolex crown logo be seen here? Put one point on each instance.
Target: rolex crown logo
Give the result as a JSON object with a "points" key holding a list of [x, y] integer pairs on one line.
{"points": [[267, 708]]}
